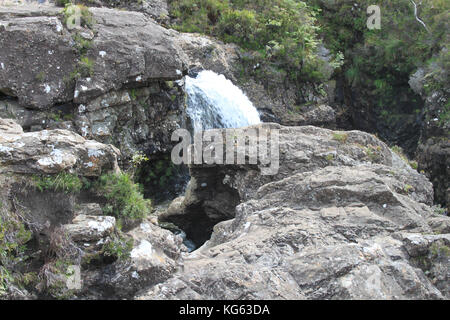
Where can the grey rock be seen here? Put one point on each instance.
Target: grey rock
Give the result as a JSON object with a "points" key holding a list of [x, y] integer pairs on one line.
{"points": [[338, 229], [90, 228], [155, 257], [51, 151], [89, 209], [35, 58], [128, 49]]}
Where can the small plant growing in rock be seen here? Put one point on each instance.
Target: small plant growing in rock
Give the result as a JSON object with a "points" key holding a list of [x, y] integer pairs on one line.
{"points": [[438, 209], [82, 44], [408, 188], [86, 67], [373, 153], [118, 247], [40, 76], [414, 164], [341, 137], [62, 182], [138, 158], [399, 151], [86, 17], [133, 94], [55, 116], [125, 200]]}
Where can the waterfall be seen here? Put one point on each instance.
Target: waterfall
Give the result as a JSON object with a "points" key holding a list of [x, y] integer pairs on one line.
{"points": [[215, 102]]}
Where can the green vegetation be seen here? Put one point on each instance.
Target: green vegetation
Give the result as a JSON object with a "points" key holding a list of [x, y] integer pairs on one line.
{"points": [[81, 44], [401, 154], [157, 173], [62, 182], [373, 153], [278, 35], [40, 76], [341, 137], [133, 94], [13, 239], [408, 188], [125, 199], [380, 61], [439, 210], [55, 116], [118, 247], [438, 250], [62, 3], [86, 17], [138, 158], [84, 69]]}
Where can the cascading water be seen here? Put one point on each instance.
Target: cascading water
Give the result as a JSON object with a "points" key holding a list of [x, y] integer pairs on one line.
{"points": [[215, 102]]}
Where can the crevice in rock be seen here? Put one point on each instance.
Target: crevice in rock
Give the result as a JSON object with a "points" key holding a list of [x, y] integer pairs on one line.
{"points": [[207, 202], [161, 179]]}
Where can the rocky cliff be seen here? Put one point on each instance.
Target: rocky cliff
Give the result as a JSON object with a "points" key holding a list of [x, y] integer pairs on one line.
{"points": [[343, 218]]}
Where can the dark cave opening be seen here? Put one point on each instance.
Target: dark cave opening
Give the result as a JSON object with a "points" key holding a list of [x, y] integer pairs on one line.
{"points": [[161, 179]]}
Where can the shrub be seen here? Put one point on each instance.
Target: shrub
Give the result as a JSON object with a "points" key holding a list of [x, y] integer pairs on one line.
{"points": [[124, 197], [379, 62], [138, 158], [13, 239], [118, 247], [62, 182], [283, 33], [82, 45]]}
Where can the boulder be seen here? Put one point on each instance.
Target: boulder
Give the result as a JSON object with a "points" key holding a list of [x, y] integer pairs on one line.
{"points": [[90, 228], [154, 258], [353, 225], [52, 151], [125, 48]]}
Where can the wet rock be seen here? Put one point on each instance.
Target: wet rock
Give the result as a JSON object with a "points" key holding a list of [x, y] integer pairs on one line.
{"points": [[276, 99]]}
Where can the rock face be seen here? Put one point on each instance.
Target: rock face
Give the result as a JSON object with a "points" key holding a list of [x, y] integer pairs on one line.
{"points": [[33, 69], [342, 218], [434, 145], [112, 80], [353, 225], [52, 151]]}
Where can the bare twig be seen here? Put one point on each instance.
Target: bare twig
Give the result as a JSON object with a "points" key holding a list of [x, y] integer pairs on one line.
{"points": [[417, 18]]}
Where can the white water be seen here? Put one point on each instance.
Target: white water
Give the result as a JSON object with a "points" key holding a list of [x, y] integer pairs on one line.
{"points": [[215, 102]]}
